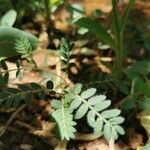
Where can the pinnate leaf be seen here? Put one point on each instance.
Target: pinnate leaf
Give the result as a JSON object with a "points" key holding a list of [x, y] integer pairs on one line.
{"points": [[65, 122]]}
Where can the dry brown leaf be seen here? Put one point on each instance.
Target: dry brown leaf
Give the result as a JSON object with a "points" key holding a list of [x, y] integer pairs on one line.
{"points": [[101, 144], [136, 141], [45, 57], [44, 40], [103, 5], [144, 117], [46, 131]]}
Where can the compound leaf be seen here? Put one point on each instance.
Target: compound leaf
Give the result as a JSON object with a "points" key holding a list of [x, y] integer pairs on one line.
{"points": [[8, 37], [65, 123]]}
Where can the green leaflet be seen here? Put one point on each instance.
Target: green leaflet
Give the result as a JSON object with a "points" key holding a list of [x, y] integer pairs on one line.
{"points": [[128, 103], [9, 18], [4, 77], [3, 64], [146, 147], [102, 105], [65, 51], [77, 89], [98, 126], [144, 103], [116, 120], [91, 119], [88, 93], [114, 133], [141, 86], [107, 132], [56, 104], [141, 67], [111, 113], [96, 99], [81, 111], [11, 97], [119, 129], [8, 36], [75, 103], [23, 46], [2, 82]]}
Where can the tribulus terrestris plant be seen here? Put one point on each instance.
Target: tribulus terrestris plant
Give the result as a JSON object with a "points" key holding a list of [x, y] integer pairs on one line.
{"points": [[77, 103], [74, 104]]}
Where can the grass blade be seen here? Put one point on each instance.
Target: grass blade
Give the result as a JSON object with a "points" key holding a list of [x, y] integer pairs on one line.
{"points": [[116, 20], [126, 14], [96, 28]]}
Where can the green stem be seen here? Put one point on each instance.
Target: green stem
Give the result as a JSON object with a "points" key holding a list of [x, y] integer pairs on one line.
{"points": [[120, 55], [48, 10]]}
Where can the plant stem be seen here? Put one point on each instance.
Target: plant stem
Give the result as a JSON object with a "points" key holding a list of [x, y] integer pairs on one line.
{"points": [[12, 118], [120, 55], [119, 25], [48, 10], [111, 144], [119, 51]]}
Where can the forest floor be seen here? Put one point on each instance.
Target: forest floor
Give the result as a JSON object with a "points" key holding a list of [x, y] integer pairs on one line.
{"points": [[29, 127]]}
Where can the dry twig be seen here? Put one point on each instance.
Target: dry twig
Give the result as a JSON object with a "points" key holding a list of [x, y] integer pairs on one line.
{"points": [[10, 120]]}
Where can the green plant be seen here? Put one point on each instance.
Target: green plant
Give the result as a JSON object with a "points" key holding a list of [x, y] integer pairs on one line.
{"points": [[73, 104], [76, 104], [139, 95], [146, 147], [94, 107], [65, 51], [4, 73], [116, 42], [8, 37], [12, 97], [24, 47], [51, 6]]}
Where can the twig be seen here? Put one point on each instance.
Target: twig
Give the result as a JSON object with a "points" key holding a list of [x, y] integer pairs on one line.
{"points": [[25, 125], [11, 70], [111, 144], [56, 75], [98, 82], [12, 118]]}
